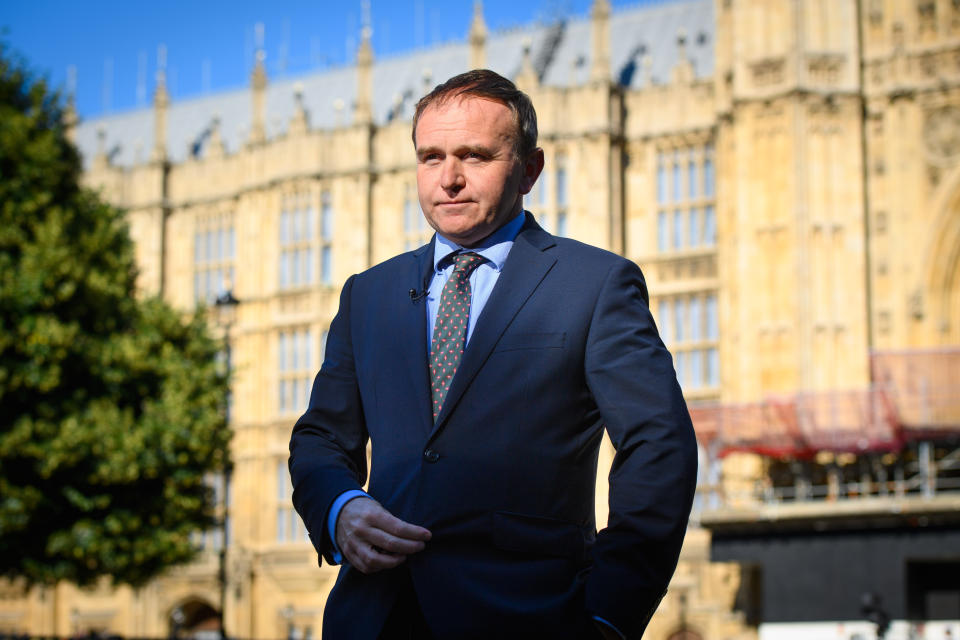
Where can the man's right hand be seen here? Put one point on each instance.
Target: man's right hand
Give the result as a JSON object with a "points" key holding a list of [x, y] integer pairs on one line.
{"points": [[372, 539]]}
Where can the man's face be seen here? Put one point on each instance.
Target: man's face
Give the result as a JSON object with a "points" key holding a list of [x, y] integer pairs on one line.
{"points": [[469, 180]]}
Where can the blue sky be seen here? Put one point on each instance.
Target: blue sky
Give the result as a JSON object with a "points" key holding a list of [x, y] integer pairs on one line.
{"points": [[113, 44]]}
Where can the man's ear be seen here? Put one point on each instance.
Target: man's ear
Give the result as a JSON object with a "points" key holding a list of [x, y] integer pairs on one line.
{"points": [[532, 167]]}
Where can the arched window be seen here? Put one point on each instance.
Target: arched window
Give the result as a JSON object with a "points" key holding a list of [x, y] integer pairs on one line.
{"points": [[195, 618]]}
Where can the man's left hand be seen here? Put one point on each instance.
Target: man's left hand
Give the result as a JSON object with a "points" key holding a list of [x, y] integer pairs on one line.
{"points": [[372, 539]]}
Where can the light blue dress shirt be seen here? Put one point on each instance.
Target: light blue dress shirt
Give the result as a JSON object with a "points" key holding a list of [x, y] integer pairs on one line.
{"points": [[494, 248]]}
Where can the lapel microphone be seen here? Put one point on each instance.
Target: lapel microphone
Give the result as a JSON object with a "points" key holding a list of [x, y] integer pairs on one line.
{"points": [[417, 296]]}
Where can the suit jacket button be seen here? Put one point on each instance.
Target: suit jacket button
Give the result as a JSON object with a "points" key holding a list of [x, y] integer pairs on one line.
{"points": [[430, 455]]}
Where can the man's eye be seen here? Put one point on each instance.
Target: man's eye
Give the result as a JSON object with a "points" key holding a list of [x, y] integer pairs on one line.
{"points": [[474, 155]]}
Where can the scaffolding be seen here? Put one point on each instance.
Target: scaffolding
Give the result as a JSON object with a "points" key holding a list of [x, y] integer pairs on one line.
{"points": [[898, 438]]}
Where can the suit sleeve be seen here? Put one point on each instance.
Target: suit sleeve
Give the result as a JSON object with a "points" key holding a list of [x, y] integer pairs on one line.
{"points": [[630, 374], [328, 445]]}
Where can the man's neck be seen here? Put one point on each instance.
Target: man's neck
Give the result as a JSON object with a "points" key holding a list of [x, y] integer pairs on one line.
{"points": [[490, 239], [505, 232]]}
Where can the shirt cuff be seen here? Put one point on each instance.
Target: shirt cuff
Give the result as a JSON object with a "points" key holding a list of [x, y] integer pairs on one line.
{"points": [[334, 513], [613, 628]]}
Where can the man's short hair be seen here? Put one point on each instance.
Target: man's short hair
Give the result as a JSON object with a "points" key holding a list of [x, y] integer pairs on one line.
{"points": [[483, 83]]}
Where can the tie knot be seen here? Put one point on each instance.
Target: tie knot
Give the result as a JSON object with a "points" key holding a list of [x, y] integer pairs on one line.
{"points": [[465, 263]]}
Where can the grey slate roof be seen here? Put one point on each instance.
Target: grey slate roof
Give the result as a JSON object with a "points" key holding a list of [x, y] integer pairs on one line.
{"points": [[561, 54]]}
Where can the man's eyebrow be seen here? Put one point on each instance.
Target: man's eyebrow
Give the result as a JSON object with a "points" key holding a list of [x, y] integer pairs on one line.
{"points": [[426, 150], [459, 149], [482, 149]]}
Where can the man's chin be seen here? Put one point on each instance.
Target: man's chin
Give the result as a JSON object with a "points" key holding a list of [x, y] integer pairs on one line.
{"points": [[467, 241], [463, 234]]}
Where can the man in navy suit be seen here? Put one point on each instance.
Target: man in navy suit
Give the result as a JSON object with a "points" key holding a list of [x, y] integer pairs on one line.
{"points": [[483, 368]]}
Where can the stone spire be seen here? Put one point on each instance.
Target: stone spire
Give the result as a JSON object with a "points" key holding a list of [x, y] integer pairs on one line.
{"points": [[70, 110], [100, 160], [478, 38], [600, 17], [647, 63], [527, 79], [426, 75], [364, 110], [215, 148], [300, 121], [258, 83], [161, 100], [683, 70]]}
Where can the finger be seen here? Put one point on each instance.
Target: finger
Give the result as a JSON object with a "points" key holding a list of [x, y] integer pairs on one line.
{"points": [[386, 521], [386, 542], [370, 560], [367, 532], [363, 522], [353, 520]]}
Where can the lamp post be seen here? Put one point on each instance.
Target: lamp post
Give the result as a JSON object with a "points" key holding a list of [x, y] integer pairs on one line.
{"points": [[226, 305], [177, 618]]}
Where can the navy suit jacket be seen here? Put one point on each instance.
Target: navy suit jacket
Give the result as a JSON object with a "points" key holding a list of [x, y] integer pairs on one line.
{"points": [[505, 477]]}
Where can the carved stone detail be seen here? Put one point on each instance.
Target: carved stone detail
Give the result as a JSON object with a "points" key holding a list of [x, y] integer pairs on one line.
{"points": [[825, 67], [941, 134], [880, 222], [883, 321], [915, 305], [671, 269], [927, 15], [767, 71]]}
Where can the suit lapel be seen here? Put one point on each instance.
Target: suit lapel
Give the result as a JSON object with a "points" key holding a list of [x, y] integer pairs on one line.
{"points": [[524, 270], [412, 333]]}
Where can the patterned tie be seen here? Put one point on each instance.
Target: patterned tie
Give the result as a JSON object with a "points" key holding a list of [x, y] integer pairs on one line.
{"points": [[450, 327]]}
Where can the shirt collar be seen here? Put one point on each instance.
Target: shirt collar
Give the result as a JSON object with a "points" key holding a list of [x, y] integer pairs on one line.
{"points": [[494, 247]]}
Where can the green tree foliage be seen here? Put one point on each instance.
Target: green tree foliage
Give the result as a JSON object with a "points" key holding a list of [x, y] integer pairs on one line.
{"points": [[111, 407]]}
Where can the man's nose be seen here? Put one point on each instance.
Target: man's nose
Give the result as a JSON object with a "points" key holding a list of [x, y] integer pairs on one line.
{"points": [[452, 178]]}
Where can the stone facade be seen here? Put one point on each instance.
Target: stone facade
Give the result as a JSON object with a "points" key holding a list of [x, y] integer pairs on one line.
{"points": [[793, 198]]}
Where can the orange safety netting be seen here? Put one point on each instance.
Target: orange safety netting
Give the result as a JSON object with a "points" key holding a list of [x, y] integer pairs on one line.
{"points": [[915, 395]]}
